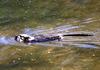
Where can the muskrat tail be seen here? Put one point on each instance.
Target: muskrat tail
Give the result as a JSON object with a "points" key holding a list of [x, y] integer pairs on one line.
{"points": [[78, 35]]}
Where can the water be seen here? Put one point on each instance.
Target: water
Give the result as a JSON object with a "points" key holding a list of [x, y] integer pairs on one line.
{"points": [[64, 29], [80, 53], [39, 17]]}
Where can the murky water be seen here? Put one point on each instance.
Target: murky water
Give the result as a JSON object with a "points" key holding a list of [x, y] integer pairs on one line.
{"points": [[50, 17], [73, 53]]}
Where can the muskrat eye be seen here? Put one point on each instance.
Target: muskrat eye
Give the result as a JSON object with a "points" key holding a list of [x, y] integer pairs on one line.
{"points": [[22, 38]]}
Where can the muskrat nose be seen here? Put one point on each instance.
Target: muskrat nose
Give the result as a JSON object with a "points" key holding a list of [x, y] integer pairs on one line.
{"points": [[16, 38]]}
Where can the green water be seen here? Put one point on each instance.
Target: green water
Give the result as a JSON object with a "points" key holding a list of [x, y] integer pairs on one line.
{"points": [[16, 15]]}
